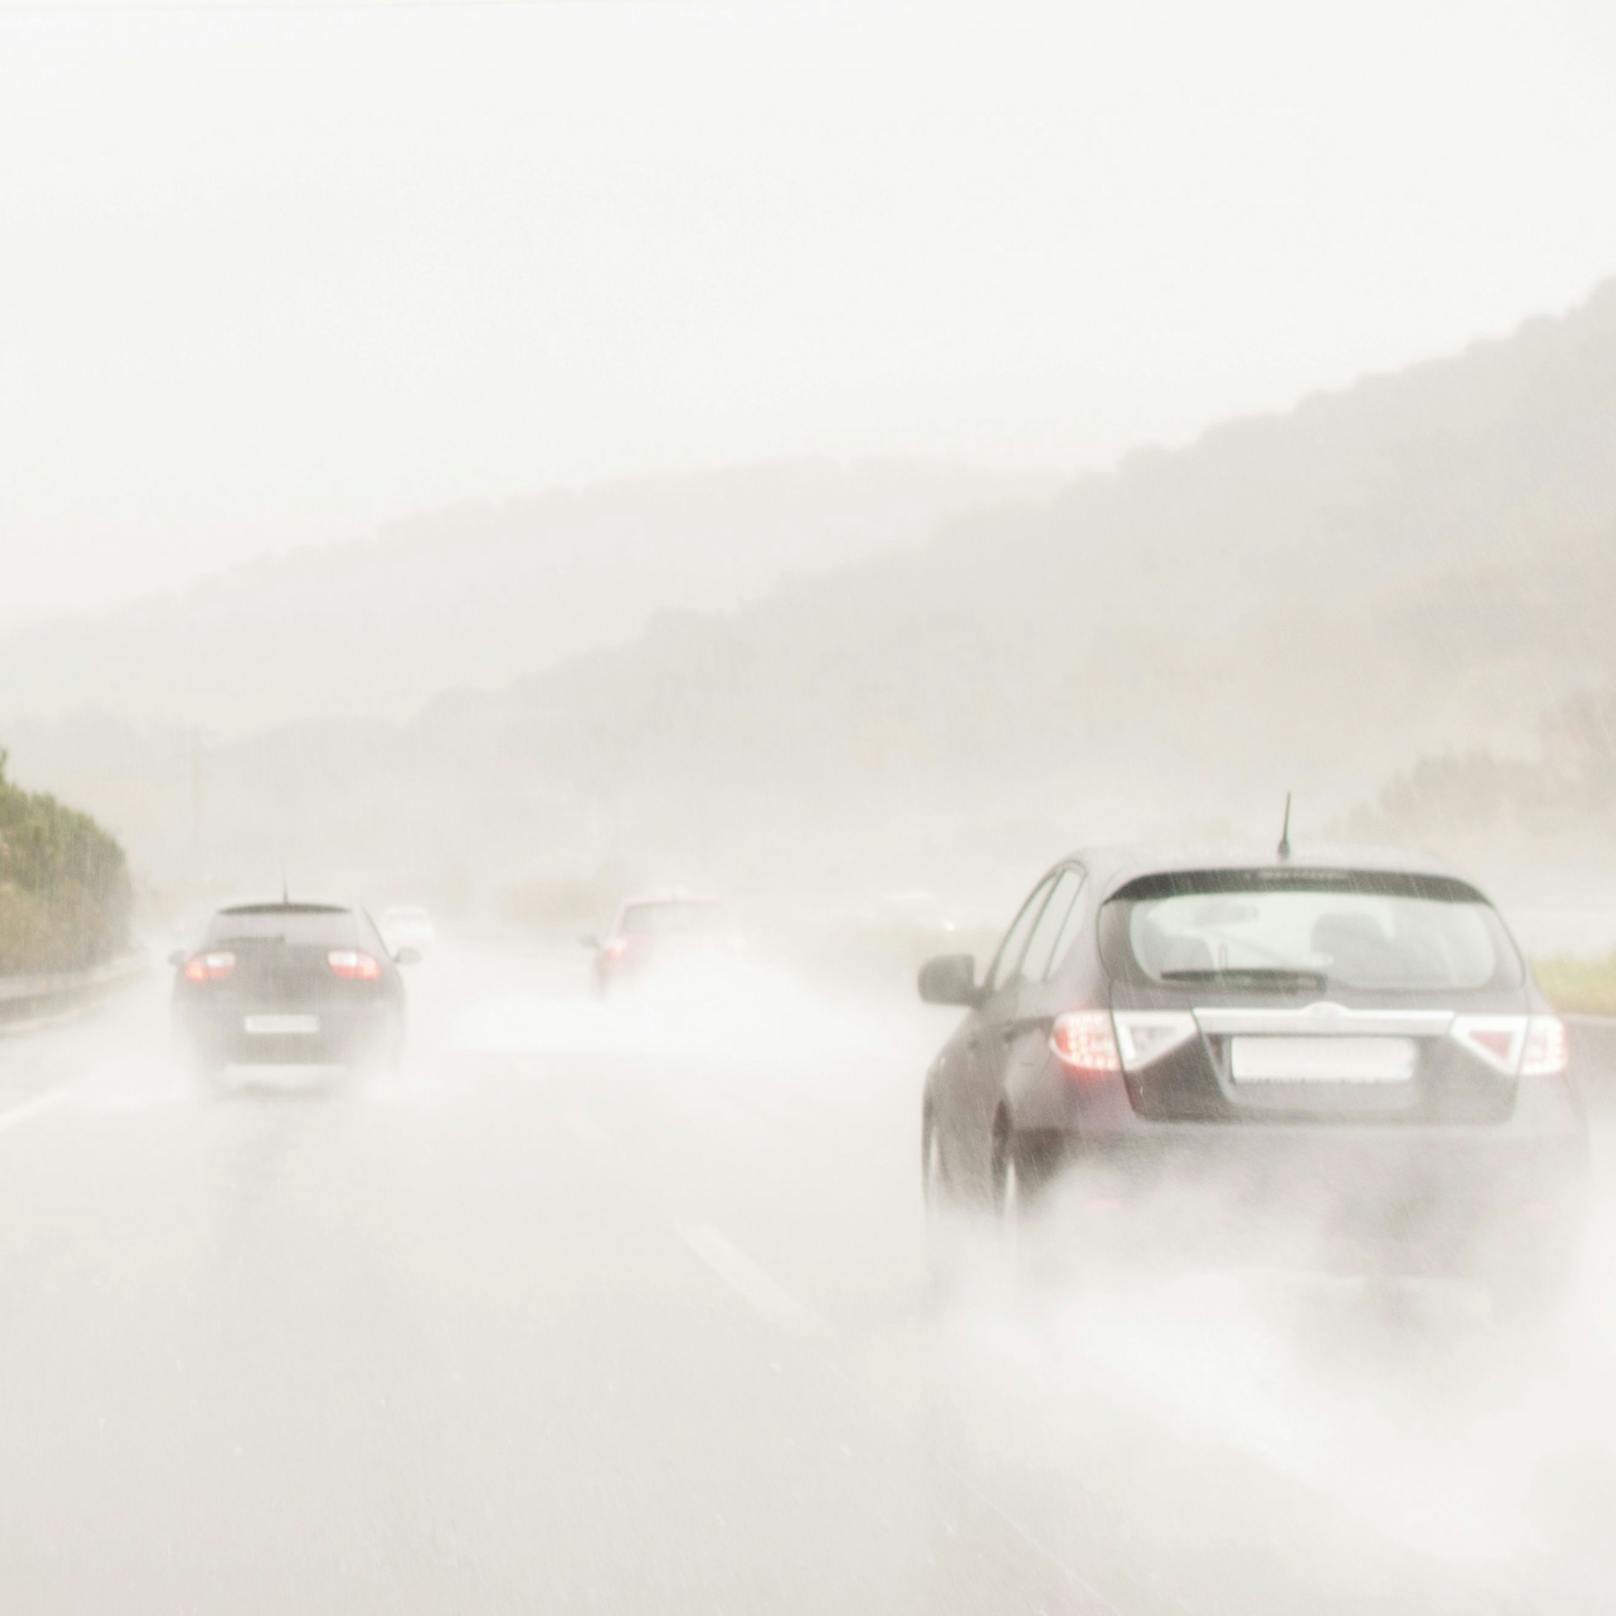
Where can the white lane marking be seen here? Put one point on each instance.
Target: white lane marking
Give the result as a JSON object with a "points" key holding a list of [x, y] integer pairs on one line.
{"points": [[47, 1101], [765, 1294]]}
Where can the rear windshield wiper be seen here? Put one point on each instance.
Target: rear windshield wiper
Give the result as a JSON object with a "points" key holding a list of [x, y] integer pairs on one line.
{"points": [[1256, 976]]}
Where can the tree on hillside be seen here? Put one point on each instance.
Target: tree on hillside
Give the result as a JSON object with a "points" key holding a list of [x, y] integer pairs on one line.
{"points": [[1567, 790]]}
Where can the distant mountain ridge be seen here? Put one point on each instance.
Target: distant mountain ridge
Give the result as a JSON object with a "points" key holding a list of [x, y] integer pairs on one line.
{"points": [[1315, 598], [475, 595], [1423, 562]]}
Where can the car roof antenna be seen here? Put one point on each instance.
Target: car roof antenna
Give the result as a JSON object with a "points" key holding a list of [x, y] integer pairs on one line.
{"points": [[285, 899], [1285, 831]]}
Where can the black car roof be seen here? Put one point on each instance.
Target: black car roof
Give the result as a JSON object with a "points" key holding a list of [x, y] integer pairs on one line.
{"points": [[1115, 866]]}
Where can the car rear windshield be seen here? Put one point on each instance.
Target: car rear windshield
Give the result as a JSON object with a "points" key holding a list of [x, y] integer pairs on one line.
{"points": [[662, 919], [318, 924], [1308, 929]]}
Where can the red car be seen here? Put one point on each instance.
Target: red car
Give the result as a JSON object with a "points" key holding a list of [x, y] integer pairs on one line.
{"points": [[669, 931]]}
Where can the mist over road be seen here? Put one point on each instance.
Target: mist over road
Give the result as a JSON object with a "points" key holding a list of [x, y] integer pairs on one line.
{"points": [[594, 1309]]}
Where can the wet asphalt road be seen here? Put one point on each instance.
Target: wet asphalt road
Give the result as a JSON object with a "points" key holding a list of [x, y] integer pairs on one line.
{"points": [[589, 1311]]}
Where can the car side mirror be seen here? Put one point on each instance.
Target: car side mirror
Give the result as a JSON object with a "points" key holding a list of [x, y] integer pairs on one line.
{"points": [[407, 956], [589, 940], [178, 958], [950, 979]]}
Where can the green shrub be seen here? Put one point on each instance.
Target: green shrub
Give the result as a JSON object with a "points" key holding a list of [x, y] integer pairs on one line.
{"points": [[64, 885]]}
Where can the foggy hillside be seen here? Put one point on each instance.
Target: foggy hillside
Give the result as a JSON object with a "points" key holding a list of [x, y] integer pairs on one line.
{"points": [[1318, 598], [474, 595]]}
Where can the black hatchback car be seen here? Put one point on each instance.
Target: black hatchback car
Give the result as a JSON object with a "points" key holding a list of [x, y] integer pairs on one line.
{"points": [[1318, 1061], [290, 984]]}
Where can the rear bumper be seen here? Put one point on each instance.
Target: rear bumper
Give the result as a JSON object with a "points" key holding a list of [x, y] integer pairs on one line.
{"points": [[1419, 1200], [1406, 1195], [346, 1034]]}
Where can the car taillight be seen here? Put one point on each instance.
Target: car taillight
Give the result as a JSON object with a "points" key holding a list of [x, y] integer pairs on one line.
{"points": [[1524, 1046], [354, 965], [1083, 1042], [1144, 1036], [616, 948], [210, 967], [1498, 1040], [1548, 1047]]}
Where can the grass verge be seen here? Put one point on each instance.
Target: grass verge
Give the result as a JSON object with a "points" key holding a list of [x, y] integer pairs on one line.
{"points": [[1579, 986]]}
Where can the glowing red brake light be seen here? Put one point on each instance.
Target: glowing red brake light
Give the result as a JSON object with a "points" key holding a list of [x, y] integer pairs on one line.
{"points": [[1085, 1044], [354, 965], [210, 967]]}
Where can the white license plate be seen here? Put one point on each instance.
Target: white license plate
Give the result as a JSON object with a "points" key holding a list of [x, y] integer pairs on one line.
{"points": [[1323, 1060], [275, 1026]]}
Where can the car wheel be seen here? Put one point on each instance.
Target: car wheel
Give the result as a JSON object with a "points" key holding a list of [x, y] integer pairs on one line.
{"points": [[1014, 1186], [1011, 1193], [947, 1225], [1024, 1165], [1005, 1177], [934, 1181]]}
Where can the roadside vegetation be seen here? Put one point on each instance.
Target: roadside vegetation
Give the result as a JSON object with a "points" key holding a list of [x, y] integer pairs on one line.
{"points": [[64, 885], [1580, 986], [1557, 795]]}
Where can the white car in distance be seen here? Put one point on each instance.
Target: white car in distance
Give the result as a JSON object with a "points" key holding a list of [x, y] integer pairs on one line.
{"points": [[407, 925]]}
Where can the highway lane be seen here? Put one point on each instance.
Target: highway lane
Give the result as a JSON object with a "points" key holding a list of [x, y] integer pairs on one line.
{"points": [[602, 1310]]}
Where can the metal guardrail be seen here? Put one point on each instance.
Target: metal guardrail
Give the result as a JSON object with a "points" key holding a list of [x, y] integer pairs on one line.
{"points": [[30, 998]]}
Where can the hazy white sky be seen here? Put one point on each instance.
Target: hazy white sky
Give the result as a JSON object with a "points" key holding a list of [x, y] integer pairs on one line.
{"points": [[272, 273]]}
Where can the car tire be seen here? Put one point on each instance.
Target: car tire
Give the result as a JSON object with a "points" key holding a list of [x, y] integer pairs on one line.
{"points": [[1024, 1166], [936, 1185], [947, 1215]]}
